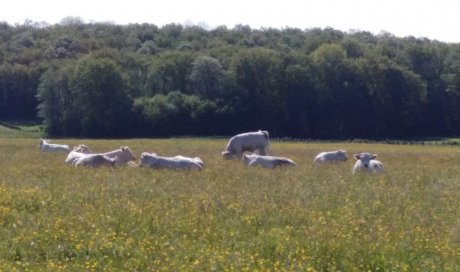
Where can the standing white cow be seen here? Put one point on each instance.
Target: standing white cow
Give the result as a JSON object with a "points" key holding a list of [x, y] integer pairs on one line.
{"points": [[331, 157], [249, 141], [266, 161], [177, 162], [95, 160], [366, 162], [47, 147], [76, 153]]}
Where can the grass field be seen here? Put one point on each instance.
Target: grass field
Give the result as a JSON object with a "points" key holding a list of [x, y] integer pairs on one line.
{"points": [[20, 130], [228, 217]]}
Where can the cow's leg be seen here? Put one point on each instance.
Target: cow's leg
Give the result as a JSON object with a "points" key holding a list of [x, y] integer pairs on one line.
{"points": [[262, 151]]}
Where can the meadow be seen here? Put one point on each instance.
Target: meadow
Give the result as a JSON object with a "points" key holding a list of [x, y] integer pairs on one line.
{"points": [[228, 217]]}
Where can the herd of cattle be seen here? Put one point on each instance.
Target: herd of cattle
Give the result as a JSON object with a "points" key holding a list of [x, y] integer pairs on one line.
{"points": [[257, 141]]}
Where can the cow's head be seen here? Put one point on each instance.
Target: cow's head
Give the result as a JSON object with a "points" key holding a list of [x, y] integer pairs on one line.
{"points": [[128, 154], [365, 158], [228, 155], [82, 149], [143, 159]]}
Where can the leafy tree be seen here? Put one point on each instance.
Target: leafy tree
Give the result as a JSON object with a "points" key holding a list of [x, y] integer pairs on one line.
{"points": [[195, 36], [330, 62], [174, 113], [18, 85], [68, 47], [301, 104], [353, 48], [206, 77], [426, 61], [100, 98], [398, 97], [170, 72], [135, 67], [6, 31], [257, 74], [320, 83], [71, 21], [57, 108], [148, 48], [451, 76]]}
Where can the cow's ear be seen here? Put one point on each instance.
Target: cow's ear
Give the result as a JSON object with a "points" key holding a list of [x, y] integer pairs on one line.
{"points": [[373, 156], [357, 156]]}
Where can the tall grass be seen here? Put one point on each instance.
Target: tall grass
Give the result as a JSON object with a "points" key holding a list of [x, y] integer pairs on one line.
{"points": [[228, 217]]}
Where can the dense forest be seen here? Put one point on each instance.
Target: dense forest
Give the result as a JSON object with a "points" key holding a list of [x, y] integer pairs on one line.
{"points": [[140, 80]]}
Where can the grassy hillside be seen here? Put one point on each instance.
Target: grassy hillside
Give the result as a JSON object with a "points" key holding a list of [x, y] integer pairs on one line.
{"points": [[20, 130], [228, 217]]}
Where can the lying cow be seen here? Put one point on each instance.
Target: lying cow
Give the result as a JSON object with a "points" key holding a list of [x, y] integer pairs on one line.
{"points": [[331, 157], [124, 155], [366, 162], [195, 160], [177, 162], [95, 160], [266, 161], [250, 141], [76, 153], [47, 147]]}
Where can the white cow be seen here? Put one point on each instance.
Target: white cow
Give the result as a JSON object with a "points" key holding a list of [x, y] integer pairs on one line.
{"points": [[177, 162], [331, 157], [266, 161], [250, 141], [76, 153], [96, 160], [124, 154], [366, 162], [47, 147], [195, 160]]}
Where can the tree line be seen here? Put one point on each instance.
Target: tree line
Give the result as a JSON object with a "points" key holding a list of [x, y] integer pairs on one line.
{"points": [[140, 80]]}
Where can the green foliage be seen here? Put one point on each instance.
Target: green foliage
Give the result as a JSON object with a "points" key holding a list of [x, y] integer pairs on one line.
{"points": [[56, 105], [87, 97], [100, 99], [168, 72], [257, 73], [164, 115], [398, 96], [17, 90], [313, 83], [207, 76]]}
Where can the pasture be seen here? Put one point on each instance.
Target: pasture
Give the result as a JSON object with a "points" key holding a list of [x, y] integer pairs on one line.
{"points": [[228, 217]]}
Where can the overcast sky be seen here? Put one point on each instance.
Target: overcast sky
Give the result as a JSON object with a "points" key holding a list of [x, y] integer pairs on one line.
{"points": [[433, 19]]}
